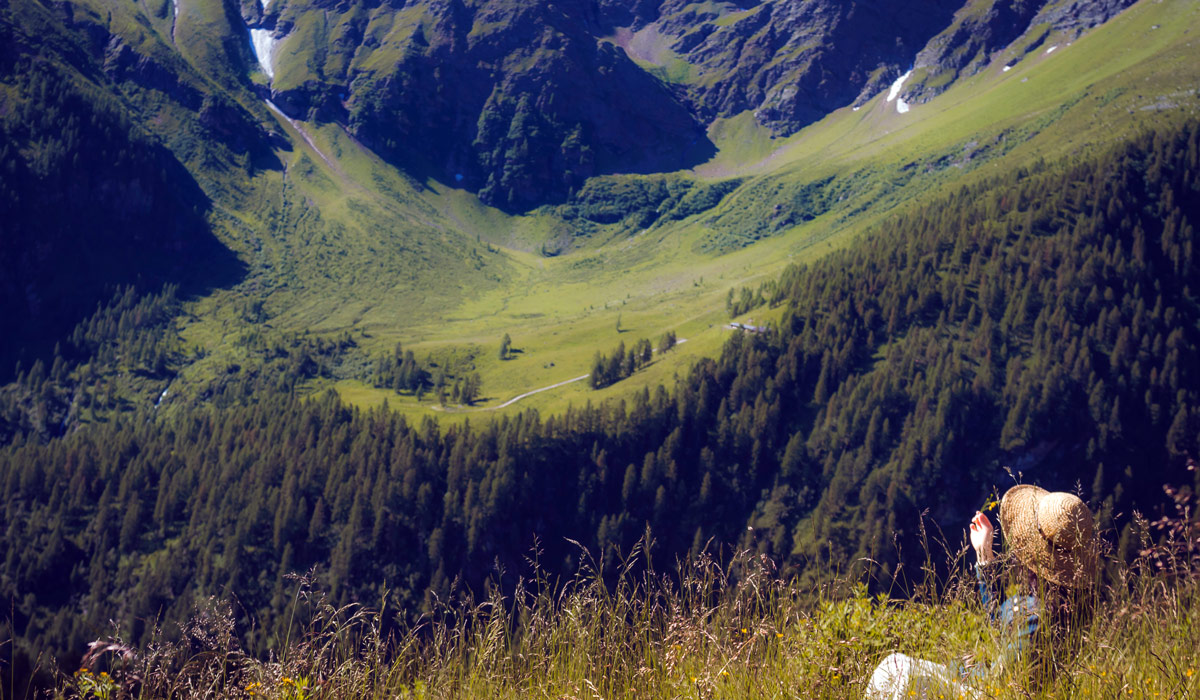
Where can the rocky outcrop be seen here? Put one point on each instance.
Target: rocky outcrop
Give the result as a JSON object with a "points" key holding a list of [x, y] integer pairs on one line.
{"points": [[983, 27], [792, 62], [520, 102], [1078, 16], [523, 100]]}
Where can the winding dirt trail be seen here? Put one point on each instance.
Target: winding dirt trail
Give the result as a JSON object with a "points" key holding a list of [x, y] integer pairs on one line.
{"points": [[538, 391]]}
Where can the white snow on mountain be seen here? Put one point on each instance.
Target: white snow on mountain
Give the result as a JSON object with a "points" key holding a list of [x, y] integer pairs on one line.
{"points": [[897, 85]]}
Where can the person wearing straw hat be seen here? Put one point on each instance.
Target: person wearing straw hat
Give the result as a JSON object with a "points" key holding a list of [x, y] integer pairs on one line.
{"points": [[1051, 555]]}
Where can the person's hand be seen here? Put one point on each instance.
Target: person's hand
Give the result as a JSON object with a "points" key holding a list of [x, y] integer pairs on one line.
{"points": [[982, 534]]}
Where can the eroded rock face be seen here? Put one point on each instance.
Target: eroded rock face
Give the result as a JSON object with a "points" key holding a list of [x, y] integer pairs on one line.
{"points": [[983, 27], [523, 100], [793, 62], [1079, 15]]}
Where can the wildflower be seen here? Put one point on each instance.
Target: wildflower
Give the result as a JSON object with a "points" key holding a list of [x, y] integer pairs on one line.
{"points": [[1189, 672], [288, 681], [779, 635], [744, 631]]}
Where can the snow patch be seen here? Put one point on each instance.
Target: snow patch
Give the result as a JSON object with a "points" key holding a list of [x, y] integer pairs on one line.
{"points": [[855, 109], [901, 106], [1007, 68], [265, 5], [1051, 49], [897, 85], [264, 42]]}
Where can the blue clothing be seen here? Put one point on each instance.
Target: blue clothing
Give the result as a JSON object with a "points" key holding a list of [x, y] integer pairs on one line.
{"points": [[1017, 617]]}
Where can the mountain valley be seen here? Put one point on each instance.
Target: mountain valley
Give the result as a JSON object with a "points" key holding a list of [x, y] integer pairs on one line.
{"points": [[259, 259]]}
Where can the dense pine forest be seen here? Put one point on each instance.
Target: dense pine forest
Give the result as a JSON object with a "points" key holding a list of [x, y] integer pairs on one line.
{"points": [[1043, 323]]}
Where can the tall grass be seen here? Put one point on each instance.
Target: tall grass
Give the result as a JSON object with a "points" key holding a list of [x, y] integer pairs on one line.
{"points": [[709, 629]]}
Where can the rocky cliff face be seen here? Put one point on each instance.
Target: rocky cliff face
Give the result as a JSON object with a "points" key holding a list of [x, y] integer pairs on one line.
{"points": [[981, 28], [523, 100], [519, 101], [791, 62]]}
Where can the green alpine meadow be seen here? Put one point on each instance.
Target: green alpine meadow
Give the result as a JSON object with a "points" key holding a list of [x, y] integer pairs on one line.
{"points": [[599, 349]]}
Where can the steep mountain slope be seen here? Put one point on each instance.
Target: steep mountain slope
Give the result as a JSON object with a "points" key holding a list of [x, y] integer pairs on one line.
{"points": [[984, 28], [88, 199], [788, 62], [522, 102], [902, 376], [514, 99]]}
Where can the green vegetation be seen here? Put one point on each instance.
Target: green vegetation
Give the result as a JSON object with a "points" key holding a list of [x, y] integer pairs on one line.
{"points": [[1001, 278], [88, 203], [400, 372], [640, 202], [1041, 320], [610, 369], [701, 629]]}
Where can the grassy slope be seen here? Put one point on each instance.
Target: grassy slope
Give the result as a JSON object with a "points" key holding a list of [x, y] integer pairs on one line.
{"points": [[357, 247], [643, 637]]}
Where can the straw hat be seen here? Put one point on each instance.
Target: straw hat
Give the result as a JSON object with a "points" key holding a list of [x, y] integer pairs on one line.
{"points": [[1051, 533]]}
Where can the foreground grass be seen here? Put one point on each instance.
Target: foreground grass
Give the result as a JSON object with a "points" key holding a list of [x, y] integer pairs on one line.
{"points": [[693, 634]]}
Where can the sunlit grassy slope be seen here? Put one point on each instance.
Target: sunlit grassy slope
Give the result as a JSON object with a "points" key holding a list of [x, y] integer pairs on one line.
{"points": [[341, 242], [642, 636]]}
